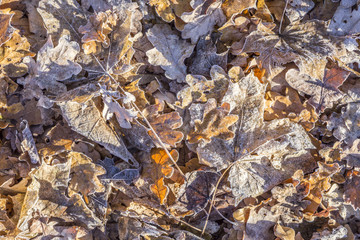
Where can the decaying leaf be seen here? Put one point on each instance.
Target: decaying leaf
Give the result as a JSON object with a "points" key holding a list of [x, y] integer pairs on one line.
{"points": [[169, 51], [215, 123], [28, 143], [231, 7], [6, 30], [345, 20]]}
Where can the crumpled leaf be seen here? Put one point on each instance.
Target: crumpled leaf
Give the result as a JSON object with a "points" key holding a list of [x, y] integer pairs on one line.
{"points": [[276, 50], [96, 30], [12, 53], [85, 119], [339, 232], [169, 51], [215, 123], [202, 20], [164, 125], [6, 29], [324, 92], [351, 189], [28, 143], [56, 64], [206, 57], [201, 89], [84, 175], [284, 233]]}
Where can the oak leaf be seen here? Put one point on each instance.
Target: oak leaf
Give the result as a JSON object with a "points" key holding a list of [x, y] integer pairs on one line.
{"points": [[215, 123], [161, 168], [164, 125], [169, 51]]}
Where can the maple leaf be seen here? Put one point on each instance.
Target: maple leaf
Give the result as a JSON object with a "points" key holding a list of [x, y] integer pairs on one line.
{"points": [[278, 49], [324, 92], [169, 51], [215, 123], [164, 125]]}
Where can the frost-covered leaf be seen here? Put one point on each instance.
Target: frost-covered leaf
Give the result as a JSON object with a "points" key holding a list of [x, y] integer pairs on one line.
{"points": [[345, 126], [351, 189], [215, 123], [297, 9], [278, 49], [28, 143], [85, 119], [169, 51], [202, 20], [231, 7], [115, 174], [164, 125], [346, 18], [56, 64], [61, 17], [324, 93], [206, 57]]}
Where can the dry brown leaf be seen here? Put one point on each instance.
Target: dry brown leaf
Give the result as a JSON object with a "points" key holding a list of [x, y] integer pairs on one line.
{"points": [[164, 125], [84, 175], [231, 7], [215, 123], [284, 233]]}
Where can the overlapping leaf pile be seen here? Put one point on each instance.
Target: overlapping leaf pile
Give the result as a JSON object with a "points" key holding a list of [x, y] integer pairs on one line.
{"points": [[164, 119]]}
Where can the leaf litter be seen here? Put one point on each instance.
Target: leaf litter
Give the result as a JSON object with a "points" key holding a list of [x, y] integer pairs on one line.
{"points": [[164, 119]]}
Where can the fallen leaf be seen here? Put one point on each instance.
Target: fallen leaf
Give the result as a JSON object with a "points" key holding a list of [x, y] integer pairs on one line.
{"points": [[351, 193], [6, 29], [164, 125], [215, 123], [284, 233], [202, 20], [323, 92], [231, 7], [85, 119], [169, 56]]}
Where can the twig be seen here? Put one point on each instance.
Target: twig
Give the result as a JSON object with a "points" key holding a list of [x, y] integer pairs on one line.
{"points": [[283, 15]]}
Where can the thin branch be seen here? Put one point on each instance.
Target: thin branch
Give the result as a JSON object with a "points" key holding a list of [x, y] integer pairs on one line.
{"points": [[283, 15]]}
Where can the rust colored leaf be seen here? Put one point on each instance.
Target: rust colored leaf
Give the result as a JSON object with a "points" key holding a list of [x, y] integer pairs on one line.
{"points": [[160, 190], [215, 123]]}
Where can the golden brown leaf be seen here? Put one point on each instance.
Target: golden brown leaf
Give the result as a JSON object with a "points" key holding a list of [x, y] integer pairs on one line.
{"points": [[215, 123], [164, 125], [284, 233], [160, 190], [352, 185], [6, 30]]}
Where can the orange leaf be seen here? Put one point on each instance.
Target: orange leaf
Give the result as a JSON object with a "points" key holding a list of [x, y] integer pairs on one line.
{"points": [[160, 190]]}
